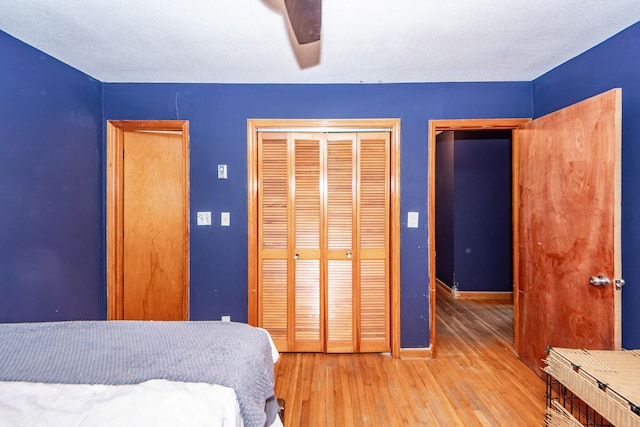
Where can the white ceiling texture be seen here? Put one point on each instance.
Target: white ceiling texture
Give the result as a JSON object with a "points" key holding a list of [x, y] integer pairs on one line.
{"points": [[369, 41]]}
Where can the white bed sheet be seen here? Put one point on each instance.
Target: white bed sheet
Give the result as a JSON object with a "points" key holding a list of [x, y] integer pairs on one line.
{"points": [[274, 351], [154, 403]]}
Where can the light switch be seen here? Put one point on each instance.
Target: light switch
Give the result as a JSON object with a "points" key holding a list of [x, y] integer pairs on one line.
{"points": [[225, 219], [204, 218], [412, 220], [222, 171]]}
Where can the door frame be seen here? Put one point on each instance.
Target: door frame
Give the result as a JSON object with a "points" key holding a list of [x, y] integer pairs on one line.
{"points": [[323, 125], [436, 126], [114, 208]]}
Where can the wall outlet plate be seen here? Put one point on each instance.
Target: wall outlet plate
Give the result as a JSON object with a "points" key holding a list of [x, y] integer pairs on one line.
{"points": [[225, 219], [412, 219], [226, 318]]}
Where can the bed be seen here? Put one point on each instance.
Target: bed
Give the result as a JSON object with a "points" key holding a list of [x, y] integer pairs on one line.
{"points": [[126, 372]]}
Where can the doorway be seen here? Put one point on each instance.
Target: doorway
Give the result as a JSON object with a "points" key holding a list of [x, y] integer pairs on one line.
{"points": [[473, 214], [566, 257], [473, 239], [436, 126], [147, 220]]}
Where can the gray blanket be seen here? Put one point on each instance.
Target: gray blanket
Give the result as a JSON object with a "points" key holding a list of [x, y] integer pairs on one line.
{"points": [[129, 352]]}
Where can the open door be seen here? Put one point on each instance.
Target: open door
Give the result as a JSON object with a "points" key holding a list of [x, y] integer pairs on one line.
{"points": [[569, 228]]}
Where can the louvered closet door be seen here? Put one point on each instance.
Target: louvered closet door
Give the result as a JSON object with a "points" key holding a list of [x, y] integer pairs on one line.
{"points": [[340, 254], [308, 333], [273, 253], [372, 275], [357, 242], [289, 206], [323, 241]]}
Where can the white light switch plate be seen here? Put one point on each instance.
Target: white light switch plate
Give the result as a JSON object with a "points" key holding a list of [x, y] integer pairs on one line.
{"points": [[225, 219], [412, 219], [222, 171], [204, 218]]}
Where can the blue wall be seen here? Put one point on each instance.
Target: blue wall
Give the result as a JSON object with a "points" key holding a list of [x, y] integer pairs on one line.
{"points": [[613, 63], [445, 270], [51, 226], [483, 211], [51, 171], [474, 185], [217, 117]]}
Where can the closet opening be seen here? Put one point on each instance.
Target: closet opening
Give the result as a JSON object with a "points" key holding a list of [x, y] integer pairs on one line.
{"points": [[323, 233]]}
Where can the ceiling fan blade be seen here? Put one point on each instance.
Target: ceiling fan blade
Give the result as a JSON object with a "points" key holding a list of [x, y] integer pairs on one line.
{"points": [[305, 17]]}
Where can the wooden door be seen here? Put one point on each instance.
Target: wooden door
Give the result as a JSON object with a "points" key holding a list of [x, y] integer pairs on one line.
{"points": [[289, 274], [153, 242], [273, 239], [569, 216], [373, 200], [306, 329], [341, 254], [147, 223], [318, 289]]}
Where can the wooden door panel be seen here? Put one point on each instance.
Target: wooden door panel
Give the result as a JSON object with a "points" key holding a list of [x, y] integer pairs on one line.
{"points": [[374, 307], [569, 227], [153, 243], [373, 232], [273, 255], [374, 191], [273, 304], [308, 333], [274, 194], [341, 207], [307, 327], [340, 307], [306, 189], [340, 192]]}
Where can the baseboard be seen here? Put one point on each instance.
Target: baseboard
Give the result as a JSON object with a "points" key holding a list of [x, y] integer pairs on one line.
{"points": [[443, 287], [501, 296], [468, 295], [415, 353]]}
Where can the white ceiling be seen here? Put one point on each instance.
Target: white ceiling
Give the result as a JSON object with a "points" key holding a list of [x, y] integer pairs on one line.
{"points": [[247, 41]]}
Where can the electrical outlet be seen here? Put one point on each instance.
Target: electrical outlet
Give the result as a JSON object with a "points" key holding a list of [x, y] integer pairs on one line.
{"points": [[204, 218], [226, 318], [225, 219], [412, 219]]}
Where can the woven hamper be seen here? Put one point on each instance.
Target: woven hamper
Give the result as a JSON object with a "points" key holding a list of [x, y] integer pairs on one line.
{"points": [[607, 381]]}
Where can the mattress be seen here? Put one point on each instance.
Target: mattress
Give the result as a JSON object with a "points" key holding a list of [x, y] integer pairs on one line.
{"points": [[230, 354]]}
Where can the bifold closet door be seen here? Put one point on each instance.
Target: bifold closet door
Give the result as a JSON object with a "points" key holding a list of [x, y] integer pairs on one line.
{"points": [[372, 276], [341, 209], [323, 241], [273, 224], [357, 213], [289, 277], [306, 331]]}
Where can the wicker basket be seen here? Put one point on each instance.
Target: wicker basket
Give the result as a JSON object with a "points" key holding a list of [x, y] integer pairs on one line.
{"points": [[558, 416], [607, 381]]}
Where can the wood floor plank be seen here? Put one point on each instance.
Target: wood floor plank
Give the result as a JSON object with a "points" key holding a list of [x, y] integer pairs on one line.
{"points": [[476, 380]]}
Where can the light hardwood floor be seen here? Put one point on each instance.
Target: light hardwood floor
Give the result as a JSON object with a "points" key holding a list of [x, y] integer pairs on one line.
{"points": [[476, 380]]}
